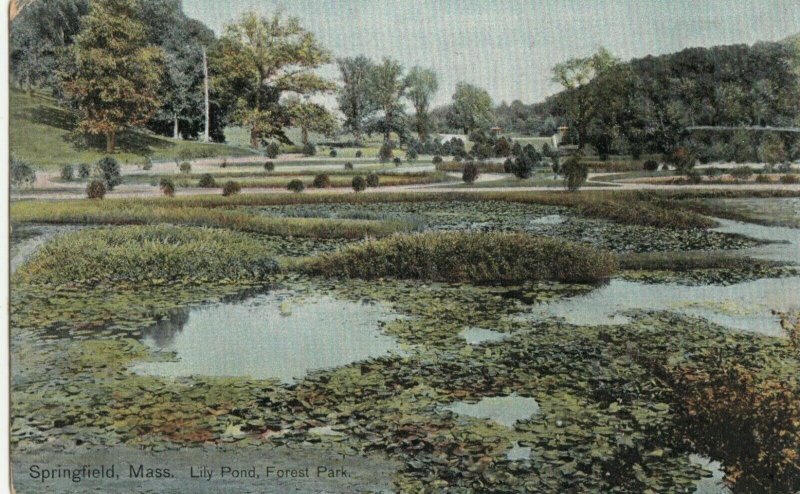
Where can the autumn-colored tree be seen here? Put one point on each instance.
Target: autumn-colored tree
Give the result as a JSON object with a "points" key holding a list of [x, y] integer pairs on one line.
{"points": [[117, 73], [257, 60]]}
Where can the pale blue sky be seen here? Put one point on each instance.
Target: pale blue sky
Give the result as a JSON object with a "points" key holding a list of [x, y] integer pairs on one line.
{"points": [[510, 46]]}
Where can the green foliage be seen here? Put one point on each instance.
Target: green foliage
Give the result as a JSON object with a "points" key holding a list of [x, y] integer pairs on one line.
{"points": [[386, 87], [224, 163], [354, 95], [348, 165], [269, 166], [67, 173], [296, 186], [397, 161], [575, 173], [309, 149], [84, 171], [712, 172], [650, 165], [148, 164], [186, 167], [359, 154], [422, 85], [471, 108], [322, 181], [772, 150], [21, 174], [231, 188], [763, 178], [167, 187], [437, 160], [373, 180], [273, 150], [207, 181], [149, 255], [469, 257], [359, 184], [411, 154], [470, 173], [742, 172], [108, 170], [385, 153], [333, 153], [694, 176], [96, 189], [789, 178]]}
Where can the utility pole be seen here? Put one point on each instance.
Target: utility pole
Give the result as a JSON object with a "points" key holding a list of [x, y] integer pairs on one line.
{"points": [[205, 87]]}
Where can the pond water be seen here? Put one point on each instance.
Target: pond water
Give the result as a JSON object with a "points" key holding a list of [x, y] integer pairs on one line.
{"points": [[476, 336], [715, 483], [517, 453], [505, 410], [744, 306], [272, 335]]}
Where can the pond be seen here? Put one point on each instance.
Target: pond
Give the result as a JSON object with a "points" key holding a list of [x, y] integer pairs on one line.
{"points": [[275, 335], [505, 410]]}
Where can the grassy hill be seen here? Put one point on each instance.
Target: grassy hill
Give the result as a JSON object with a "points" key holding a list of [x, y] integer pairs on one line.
{"points": [[41, 134]]}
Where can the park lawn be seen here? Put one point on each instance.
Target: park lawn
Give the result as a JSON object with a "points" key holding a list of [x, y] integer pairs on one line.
{"points": [[41, 135]]}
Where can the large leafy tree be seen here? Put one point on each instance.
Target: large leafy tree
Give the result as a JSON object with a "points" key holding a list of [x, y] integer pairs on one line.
{"points": [[311, 117], [353, 97], [116, 71], [39, 41], [257, 60], [422, 85], [471, 108], [387, 86]]}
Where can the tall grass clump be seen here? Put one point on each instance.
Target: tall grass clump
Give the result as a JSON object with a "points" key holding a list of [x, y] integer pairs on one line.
{"points": [[149, 255], [469, 257]]}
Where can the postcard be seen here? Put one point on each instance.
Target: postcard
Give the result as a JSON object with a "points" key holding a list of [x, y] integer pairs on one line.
{"points": [[370, 246]]}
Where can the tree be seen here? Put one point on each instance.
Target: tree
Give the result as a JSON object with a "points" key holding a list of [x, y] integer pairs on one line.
{"points": [[386, 90], [311, 117], [258, 60], [353, 97], [471, 109], [422, 85], [574, 75], [575, 173], [772, 151], [117, 73]]}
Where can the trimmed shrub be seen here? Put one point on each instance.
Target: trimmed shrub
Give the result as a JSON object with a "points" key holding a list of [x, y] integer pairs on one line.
{"points": [[470, 173], [437, 160], [373, 180], [96, 189], [508, 166], [650, 165], [789, 178], [269, 166], [231, 188], [385, 153], [469, 257], [207, 181], [273, 150], [348, 165], [322, 181], [309, 149], [148, 164], [575, 173], [167, 187], [359, 184], [359, 154], [742, 172], [457, 158], [333, 153], [67, 173], [108, 171], [84, 171], [296, 185], [397, 161], [186, 167], [411, 154]]}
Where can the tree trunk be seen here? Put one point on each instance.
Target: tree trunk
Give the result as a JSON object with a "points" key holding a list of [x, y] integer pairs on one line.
{"points": [[387, 135], [111, 142], [205, 87], [304, 135], [175, 131]]}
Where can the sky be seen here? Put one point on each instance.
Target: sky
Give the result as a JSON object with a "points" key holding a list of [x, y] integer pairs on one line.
{"points": [[509, 47]]}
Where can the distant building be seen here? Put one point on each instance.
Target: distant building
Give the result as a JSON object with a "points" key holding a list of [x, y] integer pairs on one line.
{"points": [[559, 136], [496, 131]]}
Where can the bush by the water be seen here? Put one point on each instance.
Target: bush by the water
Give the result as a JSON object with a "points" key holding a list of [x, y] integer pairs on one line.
{"points": [[296, 185], [469, 257], [321, 181], [167, 187], [373, 180], [96, 189], [150, 255], [359, 184], [186, 167], [269, 166], [207, 181], [108, 170], [575, 173], [67, 173], [231, 188], [470, 173]]}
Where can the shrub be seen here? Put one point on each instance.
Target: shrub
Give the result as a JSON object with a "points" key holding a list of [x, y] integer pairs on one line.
{"points": [[148, 164], [108, 171], [273, 150], [359, 154], [508, 166], [470, 173], [575, 173], [84, 171], [269, 166], [694, 176], [683, 159], [186, 167], [67, 173], [359, 184], [522, 167], [742, 172], [207, 181], [309, 149], [224, 163], [167, 187], [397, 162], [322, 181], [650, 165], [665, 167], [763, 178], [373, 180], [712, 172], [96, 189], [296, 185], [437, 160], [469, 257], [411, 154], [348, 165], [385, 153], [789, 178], [333, 153], [231, 188], [184, 154], [457, 158]]}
